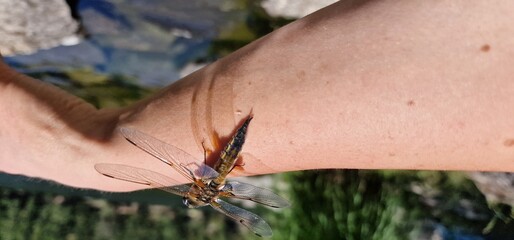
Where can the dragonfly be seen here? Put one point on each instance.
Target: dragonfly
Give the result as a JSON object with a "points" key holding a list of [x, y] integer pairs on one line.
{"points": [[207, 185]]}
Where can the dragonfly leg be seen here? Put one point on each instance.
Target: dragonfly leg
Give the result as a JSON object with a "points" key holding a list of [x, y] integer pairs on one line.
{"points": [[204, 153], [187, 167]]}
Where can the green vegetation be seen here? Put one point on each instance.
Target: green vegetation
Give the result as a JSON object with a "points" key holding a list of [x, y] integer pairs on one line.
{"points": [[98, 89], [328, 204], [50, 216], [351, 204], [254, 24]]}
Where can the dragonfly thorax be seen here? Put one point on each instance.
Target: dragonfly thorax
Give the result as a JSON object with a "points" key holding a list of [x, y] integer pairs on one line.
{"points": [[216, 186], [200, 196]]}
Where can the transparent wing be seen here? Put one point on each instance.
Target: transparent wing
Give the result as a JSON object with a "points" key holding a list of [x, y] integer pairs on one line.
{"points": [[235, 189], [248, 219], [141, 176], [181, 161]]}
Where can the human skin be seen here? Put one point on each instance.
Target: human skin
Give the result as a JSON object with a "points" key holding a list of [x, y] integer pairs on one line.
{"points": [[372, 85]]}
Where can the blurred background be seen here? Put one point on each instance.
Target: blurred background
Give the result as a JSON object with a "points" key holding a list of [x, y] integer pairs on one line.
{"points": [[114, 52]]}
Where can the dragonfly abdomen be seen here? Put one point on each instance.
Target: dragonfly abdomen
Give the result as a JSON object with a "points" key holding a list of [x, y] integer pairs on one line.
{"points": [[229, 154]]}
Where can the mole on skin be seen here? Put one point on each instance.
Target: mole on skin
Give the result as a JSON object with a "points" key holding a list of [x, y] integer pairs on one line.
{"points": [[485, 48], [509, 142]]}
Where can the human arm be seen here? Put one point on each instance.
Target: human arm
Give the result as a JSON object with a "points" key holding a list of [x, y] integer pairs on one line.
{"points": [[376, 85]]}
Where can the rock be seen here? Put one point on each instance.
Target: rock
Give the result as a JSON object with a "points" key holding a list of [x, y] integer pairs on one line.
{"points": [[293, 8], [29, 25], [498, 187]]}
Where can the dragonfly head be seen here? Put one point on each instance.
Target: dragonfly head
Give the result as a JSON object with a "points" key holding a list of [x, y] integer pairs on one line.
{"points": [[192, 202]]}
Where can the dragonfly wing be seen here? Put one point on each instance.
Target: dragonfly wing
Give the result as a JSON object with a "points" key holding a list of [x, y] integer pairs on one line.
{"points": [[203, 171], [248, 219], [141, 176], [250, 192], [187, 165]]}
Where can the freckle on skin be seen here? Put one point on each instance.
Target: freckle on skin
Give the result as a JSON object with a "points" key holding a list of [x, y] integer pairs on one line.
{"points": [[485, 48], [509, 142], [392, 154], [301, 74], [410, 103]]}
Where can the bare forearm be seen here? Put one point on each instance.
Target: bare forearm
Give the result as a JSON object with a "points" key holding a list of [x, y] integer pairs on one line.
{"points": [[48, 133], [377, 88], [370, 88], [385, 84]]}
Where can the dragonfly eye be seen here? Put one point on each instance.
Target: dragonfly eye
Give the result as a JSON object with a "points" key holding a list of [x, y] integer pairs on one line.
{"points": [[186, 202], [192, 202]]}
